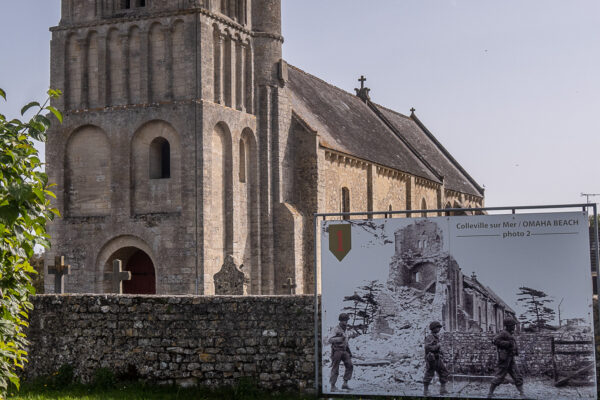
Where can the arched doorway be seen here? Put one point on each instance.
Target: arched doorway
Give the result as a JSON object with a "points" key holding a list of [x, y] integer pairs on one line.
{"points": [[139, 263], [143, 279]]}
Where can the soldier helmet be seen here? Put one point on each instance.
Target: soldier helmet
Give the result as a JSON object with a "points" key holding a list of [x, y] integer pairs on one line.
{"points": [[509, 321], [344, 317], [434, 324]]}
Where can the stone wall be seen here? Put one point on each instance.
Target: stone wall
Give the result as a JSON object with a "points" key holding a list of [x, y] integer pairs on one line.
{"points": [[475, 354], [210, 341]]}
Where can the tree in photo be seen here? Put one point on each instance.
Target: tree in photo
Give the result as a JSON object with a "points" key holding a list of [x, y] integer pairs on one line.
{"points": [[24, 209], [364, 306], [538, 313]]}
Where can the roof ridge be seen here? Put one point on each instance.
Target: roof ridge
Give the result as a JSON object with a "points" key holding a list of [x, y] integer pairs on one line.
{"points": [[393, 111], [322, 81]]}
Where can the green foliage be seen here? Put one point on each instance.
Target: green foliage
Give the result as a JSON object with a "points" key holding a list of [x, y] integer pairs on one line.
{"points": [[104, 379], [64, 376], [24, 210], [37, 278]]}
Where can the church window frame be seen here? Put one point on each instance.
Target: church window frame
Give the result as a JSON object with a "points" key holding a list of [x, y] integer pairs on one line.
{"points": [[345, 202], [159, 158]]}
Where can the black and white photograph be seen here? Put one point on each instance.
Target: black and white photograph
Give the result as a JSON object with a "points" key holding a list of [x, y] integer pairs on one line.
{"points": [[484, 306]]}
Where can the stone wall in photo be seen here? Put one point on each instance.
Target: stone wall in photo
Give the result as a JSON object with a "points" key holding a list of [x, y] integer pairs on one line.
{"points": [[187, 340], [475, 354]]}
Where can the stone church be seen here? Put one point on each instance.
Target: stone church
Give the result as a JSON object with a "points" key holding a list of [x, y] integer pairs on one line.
{"points": [[193, 153]]}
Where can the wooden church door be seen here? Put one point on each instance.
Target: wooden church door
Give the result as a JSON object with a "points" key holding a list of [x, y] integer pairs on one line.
{"points": [[143, 278]]}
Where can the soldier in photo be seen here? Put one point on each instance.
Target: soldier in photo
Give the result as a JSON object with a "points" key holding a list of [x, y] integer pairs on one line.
{"points": [[433, 360], [507, 352], [340, 352]]}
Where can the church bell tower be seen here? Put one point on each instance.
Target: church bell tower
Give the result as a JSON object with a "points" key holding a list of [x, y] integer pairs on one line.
{"points": [[168, 155]]}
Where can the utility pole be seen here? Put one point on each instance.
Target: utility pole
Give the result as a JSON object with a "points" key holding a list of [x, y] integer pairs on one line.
{"points": [[588, 195]]}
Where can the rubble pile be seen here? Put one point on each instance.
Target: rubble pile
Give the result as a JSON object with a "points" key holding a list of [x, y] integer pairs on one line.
{"points": [[392, 353]]}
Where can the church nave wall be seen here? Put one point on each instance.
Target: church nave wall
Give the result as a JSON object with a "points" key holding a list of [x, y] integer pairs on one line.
{"points": [[342, 175], [425, 193], [390, 190]]}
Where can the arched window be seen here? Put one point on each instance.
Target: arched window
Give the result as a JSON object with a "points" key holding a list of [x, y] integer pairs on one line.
{"points": [[160, 159], [346, 201], [423, 207], [242, 161]]}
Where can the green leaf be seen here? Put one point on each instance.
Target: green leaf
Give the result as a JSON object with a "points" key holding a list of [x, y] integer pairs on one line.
{"points": [[56, 113], [9, 214], [54, 93], [2, 93], [28, 106]]}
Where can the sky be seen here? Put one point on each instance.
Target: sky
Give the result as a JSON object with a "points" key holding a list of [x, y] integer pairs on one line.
{"points": [[511, 88]]}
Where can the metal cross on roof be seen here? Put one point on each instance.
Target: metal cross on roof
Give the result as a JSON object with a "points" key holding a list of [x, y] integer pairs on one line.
{"points": [[290, 285], [59, 270], [362, 81], [118, 276]]}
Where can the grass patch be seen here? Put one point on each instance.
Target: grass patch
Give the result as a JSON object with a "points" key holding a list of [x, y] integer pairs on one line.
{"points": [[138, 391]]}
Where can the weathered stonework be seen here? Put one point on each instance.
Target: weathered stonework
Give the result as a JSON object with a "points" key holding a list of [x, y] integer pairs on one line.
{"points": [[212, 341], [187, 138]]}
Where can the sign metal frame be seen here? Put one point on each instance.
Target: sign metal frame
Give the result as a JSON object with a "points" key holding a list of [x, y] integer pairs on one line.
{"points": [[586, 207]]}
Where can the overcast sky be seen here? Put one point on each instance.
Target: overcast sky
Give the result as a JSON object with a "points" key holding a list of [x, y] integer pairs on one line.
{"points": [[511, 88]]}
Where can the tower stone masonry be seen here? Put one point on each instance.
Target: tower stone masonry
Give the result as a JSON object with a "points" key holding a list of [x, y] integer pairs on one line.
{"points": [[188, 145]]}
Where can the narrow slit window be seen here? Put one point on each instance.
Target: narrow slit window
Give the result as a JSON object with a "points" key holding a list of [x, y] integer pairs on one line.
{"points": [[423, 207], [160, 159]]}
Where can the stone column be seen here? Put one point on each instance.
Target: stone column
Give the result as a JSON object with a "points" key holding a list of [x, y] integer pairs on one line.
{"points": [[145, 62], [218, 62], [83, 95], [240, 81], [249, 80], [102, 70], [168, 33], [124, 38]]}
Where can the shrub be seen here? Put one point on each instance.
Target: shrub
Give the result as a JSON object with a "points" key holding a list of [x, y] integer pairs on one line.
{"points": [[24, 210]]}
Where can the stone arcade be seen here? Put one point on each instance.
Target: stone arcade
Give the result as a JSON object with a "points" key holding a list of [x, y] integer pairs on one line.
{"points": [[187, 140]]}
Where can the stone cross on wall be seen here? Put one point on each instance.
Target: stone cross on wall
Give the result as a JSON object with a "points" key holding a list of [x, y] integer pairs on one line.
{"points": [[229, 280], [118, 276], [290, 285], [59, 270]]}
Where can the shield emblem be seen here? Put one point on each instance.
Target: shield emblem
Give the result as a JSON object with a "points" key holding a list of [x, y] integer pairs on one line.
{"points": [[340, 240]]}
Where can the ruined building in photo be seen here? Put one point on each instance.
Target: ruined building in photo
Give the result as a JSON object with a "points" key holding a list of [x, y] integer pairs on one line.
{"points": [[193, 153], [421, 261]]}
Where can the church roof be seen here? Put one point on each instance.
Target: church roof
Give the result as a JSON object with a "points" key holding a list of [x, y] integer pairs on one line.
{"points": [[347, 124]]}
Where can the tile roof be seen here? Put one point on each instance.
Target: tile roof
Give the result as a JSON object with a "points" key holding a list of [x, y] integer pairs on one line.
{"points": [[347, 124]]}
